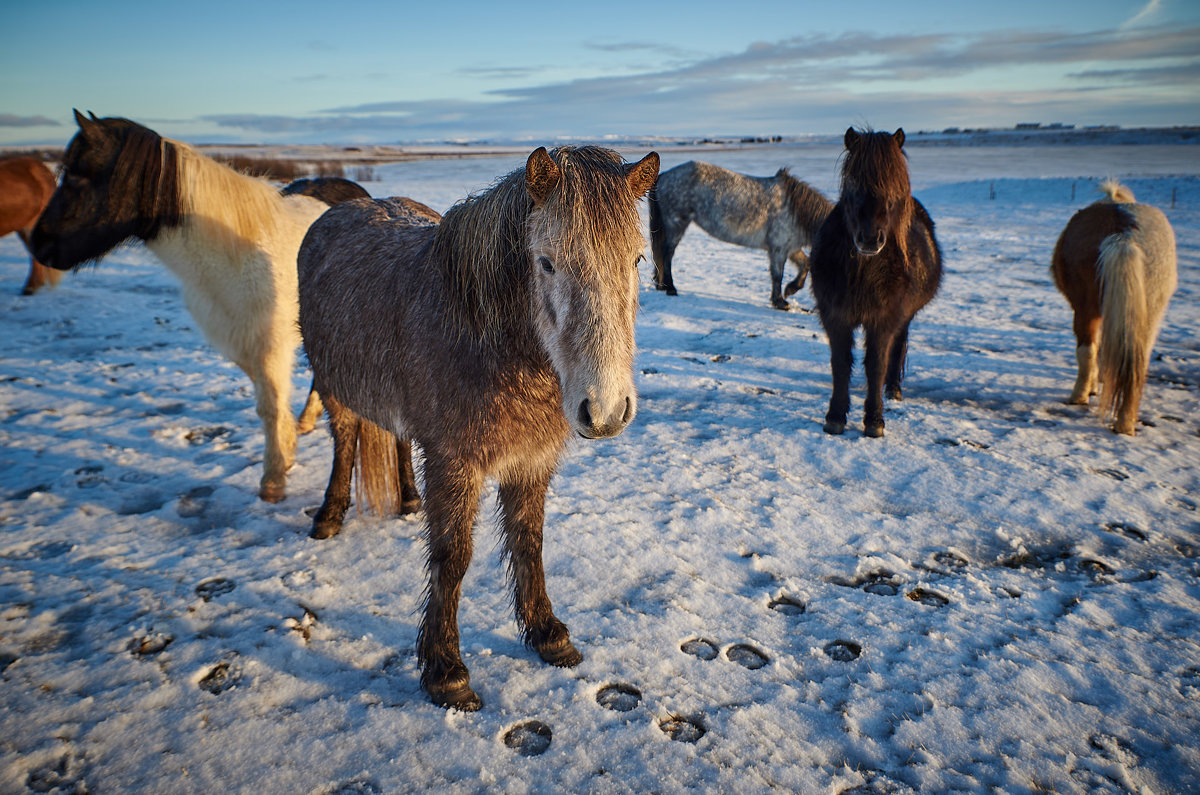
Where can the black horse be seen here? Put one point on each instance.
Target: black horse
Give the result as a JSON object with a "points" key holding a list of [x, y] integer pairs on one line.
{"points": [[875, 263]]}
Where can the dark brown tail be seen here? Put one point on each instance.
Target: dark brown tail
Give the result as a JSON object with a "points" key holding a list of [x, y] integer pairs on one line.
{"points": [[378, 484]]}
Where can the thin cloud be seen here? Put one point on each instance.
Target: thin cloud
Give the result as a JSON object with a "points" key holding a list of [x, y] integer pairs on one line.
{"points": [[804, 83], [9, 120], [1148, 11]]}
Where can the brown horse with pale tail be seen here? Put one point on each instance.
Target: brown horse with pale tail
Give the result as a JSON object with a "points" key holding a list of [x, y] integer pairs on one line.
{"points": [[1115, 263], [26, 185], [488, 337]]}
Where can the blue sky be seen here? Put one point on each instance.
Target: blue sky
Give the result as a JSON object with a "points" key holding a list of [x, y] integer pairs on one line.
{"points": [[401, 72]]}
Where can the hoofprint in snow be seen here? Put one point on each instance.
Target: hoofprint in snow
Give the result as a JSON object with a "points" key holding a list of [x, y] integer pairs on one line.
{"points": [[999, 594]]}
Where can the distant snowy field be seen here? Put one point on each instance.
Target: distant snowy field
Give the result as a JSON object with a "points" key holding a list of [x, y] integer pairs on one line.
{"points": [[1001, 595]]}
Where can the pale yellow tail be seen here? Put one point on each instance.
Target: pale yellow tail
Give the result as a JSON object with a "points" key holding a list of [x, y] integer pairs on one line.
{"points": [[377, 486], [1126, 327]]}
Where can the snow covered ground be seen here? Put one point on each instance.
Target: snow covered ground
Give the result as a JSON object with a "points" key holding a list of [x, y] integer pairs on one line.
{"points": [[1001, 595]]}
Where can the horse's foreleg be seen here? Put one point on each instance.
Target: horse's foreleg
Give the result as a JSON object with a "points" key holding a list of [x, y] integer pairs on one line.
{"points": [[841, 361], [664, 238], [272, 389], [1087, 382], [451, 502], [410, 497], [875, 358], [344, 426], [312, 409], [798, 259], [896, 360], [523, 505], [777, 258]]}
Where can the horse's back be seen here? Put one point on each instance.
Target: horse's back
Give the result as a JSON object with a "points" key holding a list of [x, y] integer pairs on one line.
{"points": [[729, 206], [330, 190], [352, 229], [26, 185]]}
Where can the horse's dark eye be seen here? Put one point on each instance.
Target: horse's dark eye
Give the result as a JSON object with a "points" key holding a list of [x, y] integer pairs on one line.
{"points": [[546, 264]]}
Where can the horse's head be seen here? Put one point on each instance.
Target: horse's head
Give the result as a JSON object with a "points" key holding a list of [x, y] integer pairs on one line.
{"points": [[119, 181], [876, 198], [585, 241]]}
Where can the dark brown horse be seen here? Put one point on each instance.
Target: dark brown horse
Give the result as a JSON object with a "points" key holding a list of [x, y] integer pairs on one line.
{"points": [[488, 338], [1115, 264], [875, 263], [26, 185]]}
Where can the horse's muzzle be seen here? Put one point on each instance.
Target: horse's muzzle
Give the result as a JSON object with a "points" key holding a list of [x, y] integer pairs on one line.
{"points": [[591, 427]]}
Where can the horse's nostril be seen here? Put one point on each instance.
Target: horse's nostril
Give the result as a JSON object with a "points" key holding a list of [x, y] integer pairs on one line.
{"points": [[628, 411], [585, 416]]}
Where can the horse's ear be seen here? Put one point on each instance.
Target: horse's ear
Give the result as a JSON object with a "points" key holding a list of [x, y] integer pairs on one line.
{"points": [[642, 174], [88, 127], [899, 136], [541, 175], [851, 139]]}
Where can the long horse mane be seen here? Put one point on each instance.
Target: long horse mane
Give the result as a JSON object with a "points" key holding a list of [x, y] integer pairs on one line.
{"points": [[808, 205], [482, 243], [173, 184], [234, 211], [146, 168]]}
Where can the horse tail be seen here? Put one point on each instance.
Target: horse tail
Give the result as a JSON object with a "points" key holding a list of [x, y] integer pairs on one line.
{"points": [[1116, 193], [658, 232], [1126, 328], [378, 484]]}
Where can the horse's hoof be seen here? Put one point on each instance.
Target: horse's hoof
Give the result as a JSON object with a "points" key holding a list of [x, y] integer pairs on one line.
{"points": [[835, 428], [1076, 400], [271, 492], [410, 506], [873, 430], [323, 530], [780, 304], [563, 654], [895, 394], [458, 695]]}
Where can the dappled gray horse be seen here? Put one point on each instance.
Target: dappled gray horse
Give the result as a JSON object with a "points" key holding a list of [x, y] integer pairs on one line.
{"points": [[779, 214]]}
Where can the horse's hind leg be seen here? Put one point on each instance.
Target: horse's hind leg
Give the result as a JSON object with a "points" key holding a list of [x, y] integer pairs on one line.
{"points": [[344, 427], [39, 274], [777, 259], [451, 502], [312, 409], [841, 361], [410, 497], [523, 505], [1087, 328], [801, 262]]}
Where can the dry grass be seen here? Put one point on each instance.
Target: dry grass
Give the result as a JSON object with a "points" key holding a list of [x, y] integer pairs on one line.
{"points": [[281, 170]]}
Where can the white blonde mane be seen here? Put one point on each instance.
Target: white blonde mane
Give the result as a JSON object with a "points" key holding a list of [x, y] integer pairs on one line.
{"points": [[236, 212]]}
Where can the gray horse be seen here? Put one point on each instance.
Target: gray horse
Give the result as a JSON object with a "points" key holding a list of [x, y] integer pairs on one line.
{"points": [[779, 214]]}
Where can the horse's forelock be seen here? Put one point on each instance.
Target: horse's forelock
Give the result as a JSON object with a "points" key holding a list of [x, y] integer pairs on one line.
{"points": [[594, 201], [876, 164], [482, 241]]}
